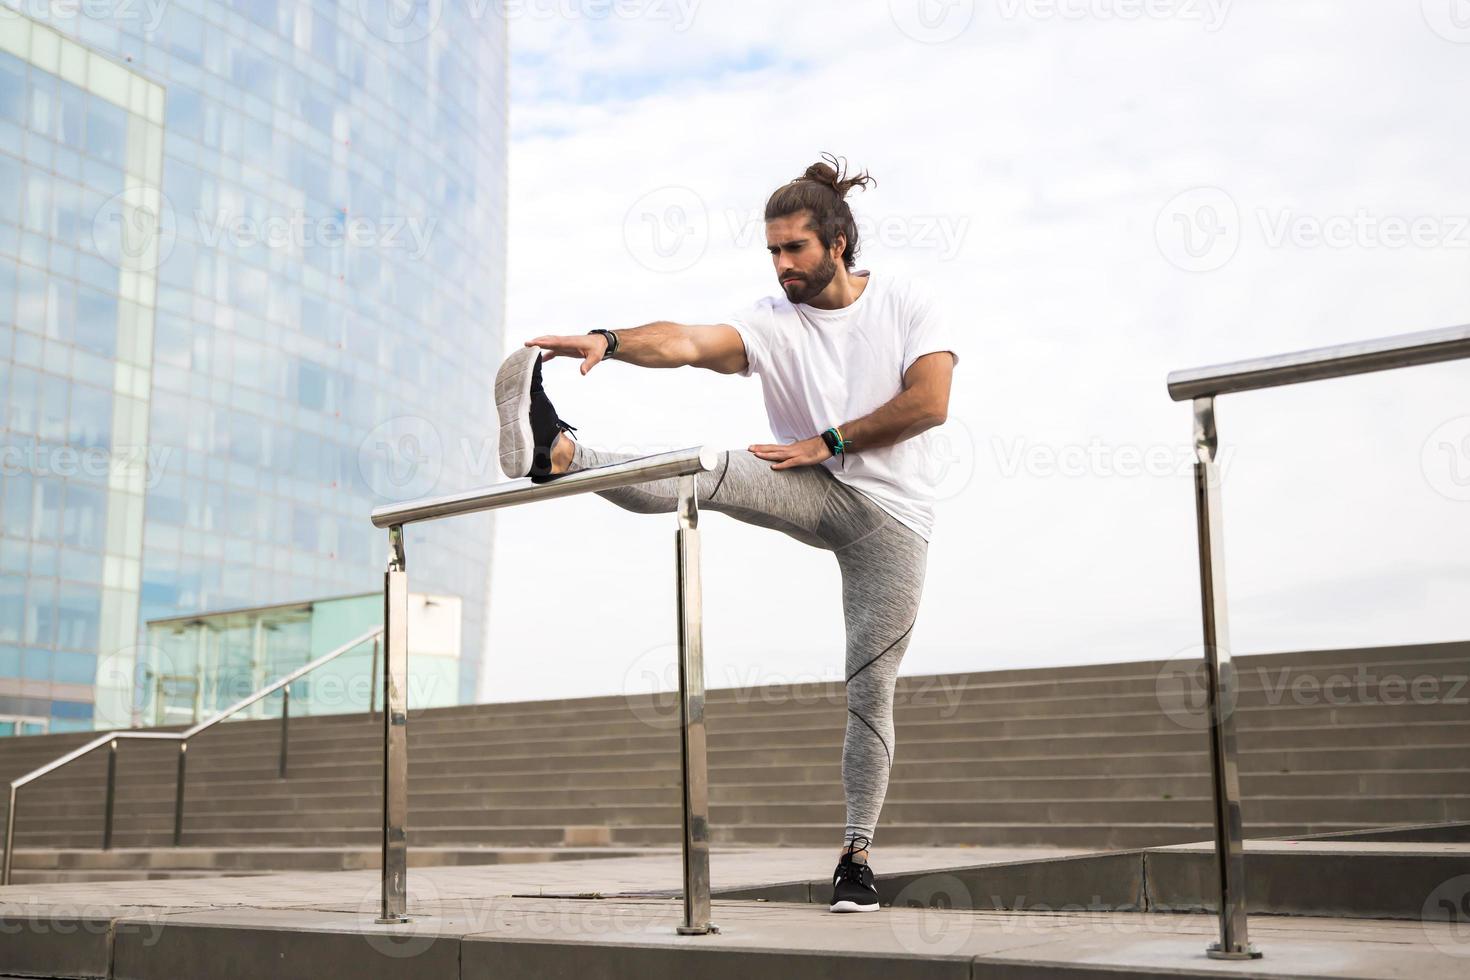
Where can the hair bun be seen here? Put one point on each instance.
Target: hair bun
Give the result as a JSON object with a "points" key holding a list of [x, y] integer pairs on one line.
{"points": [[831, 174]]}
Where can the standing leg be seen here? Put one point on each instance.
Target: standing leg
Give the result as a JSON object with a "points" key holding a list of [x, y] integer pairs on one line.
{"points": [[883, 564]]}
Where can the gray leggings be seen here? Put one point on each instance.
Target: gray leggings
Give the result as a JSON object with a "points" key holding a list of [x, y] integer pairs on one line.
{"points": [[882, 563]]}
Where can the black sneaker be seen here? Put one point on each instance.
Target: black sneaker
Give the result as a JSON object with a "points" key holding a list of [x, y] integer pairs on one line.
{"points": [[852, 886], [529, 424]]}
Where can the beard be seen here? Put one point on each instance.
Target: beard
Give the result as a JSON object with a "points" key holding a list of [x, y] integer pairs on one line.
{"points": [[807, 287]]}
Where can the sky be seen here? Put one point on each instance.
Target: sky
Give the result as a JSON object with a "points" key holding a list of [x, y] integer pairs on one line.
{"points": [[1098, 192]]}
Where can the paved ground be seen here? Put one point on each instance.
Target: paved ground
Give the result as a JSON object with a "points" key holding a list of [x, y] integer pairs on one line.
{"points": [[483, 921], [659, 868]]}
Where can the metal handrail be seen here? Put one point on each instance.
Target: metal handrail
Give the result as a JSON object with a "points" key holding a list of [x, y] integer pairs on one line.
{"points": [[679, 462], [1321, 363], [1201, 385], [685, 465], [111, 740]]}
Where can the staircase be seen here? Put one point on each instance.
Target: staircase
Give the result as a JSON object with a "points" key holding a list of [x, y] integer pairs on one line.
{"points": [[1077, 757]]}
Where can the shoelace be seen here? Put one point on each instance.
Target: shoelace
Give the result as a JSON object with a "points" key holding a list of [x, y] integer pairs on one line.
{"points": [[851, 870]]}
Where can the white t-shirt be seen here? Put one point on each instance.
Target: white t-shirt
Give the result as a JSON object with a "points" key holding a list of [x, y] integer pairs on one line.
{"points": [[820, 368]]}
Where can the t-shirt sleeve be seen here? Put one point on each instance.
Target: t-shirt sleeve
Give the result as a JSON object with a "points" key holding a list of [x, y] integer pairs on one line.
{"points": [[753, 323], [929, 329]]}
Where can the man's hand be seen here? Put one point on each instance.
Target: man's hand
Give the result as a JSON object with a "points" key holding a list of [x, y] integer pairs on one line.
{"points": [[590, 347], [804, 453]]}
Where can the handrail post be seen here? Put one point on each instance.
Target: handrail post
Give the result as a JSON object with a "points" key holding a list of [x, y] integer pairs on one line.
{"points": [[1221, 691], [285, 726], [179, 793], [111, 795], [692, 736], [395, 733], [9, 837]]}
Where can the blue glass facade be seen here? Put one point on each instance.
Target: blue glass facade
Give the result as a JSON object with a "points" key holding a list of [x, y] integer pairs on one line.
{"points": [[251, 285]]}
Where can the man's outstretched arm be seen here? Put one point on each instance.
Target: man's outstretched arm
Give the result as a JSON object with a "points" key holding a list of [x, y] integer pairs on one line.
{"points": [[661, 344], [922, 404]]}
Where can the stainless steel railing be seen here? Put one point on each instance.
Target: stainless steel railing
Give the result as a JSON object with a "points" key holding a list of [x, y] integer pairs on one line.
{"points": [[111, 740], [1201, 385], [684, 464]]}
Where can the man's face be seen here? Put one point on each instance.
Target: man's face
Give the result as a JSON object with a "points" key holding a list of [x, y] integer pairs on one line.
{"points": [[803, 266]]}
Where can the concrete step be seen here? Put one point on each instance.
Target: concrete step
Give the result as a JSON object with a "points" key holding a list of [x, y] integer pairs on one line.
{"points": [[1253, 723], [1186, 756], [1024, 753], [927, 742], [286, 794]]}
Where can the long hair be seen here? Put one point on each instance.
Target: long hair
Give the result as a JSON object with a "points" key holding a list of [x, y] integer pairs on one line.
{"points": [[821, 190]]}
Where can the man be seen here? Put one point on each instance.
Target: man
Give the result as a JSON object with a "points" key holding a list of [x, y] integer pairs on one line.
{"points": [[855, 370]]}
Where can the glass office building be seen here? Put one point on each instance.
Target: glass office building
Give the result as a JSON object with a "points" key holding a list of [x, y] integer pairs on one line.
{"points": [[251, 285]]}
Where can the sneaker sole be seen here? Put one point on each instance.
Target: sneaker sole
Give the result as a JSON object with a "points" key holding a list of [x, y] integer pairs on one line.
{"points": [[513, 405], [853, 907]]}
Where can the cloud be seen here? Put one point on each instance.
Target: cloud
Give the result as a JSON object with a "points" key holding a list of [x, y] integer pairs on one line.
{"points": [[1048, 146]]}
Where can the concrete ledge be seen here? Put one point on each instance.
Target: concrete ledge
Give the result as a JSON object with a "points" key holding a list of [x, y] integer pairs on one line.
{"points": [[1357, 879], [481, 939]]}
